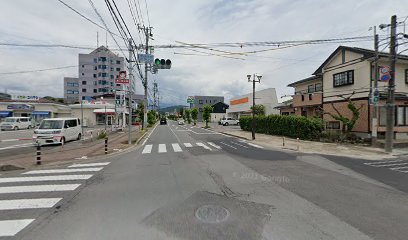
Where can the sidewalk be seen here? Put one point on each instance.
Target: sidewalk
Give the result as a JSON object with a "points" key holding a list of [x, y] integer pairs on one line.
{"points": [[72, 152], [347, 150]]}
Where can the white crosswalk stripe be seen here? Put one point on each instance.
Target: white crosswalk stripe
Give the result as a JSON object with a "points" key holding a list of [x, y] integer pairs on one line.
{"points": [[9, 228], [214, 145], [393, 165], [69, 170], [254, 145], [162, 148], [176, 147], [45, 178], [203, 145], [223, 143], [188, 145], [28, 203], [89, 164], [239, 145], [147, 149], [39, 188]]}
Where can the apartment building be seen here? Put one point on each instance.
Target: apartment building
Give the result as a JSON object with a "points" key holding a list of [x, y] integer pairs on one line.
{"points": [[349, 73], [97, 72], [201, 101]]}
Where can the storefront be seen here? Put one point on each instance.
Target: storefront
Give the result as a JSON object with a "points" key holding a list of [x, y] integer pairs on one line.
{"points": [[98, 113], [37, 110]]}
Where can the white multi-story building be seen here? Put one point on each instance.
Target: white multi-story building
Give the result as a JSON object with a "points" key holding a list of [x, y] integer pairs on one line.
{"points": [[96, 76]]}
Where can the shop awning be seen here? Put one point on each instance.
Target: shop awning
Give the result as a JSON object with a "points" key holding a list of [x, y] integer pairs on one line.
{"points": [[102, 111], [6, 113], [40, 113]]}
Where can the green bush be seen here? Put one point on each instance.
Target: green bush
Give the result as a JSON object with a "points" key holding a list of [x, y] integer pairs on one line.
{"points": [[290, 126]]}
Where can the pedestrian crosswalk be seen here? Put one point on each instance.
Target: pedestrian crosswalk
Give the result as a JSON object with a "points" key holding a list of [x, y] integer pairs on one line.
{"points": [[208, 146], [394, 165], [32, 189]]}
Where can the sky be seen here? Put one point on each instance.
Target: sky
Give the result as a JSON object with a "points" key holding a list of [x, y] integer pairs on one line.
{"points": [[191, 22]]}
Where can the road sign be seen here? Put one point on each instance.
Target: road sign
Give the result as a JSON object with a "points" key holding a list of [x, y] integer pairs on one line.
{"points": [[385, 73], [24, 97], [190, 100], [145, 58]]}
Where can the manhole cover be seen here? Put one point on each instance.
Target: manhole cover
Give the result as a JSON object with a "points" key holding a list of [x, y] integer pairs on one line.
{"points": [[212, 213]]}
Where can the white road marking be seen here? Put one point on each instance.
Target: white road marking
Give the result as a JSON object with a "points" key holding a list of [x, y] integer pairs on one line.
{"points": [[18, 146], [254, 145], [203, 145], [28, 203], [45, 178], [149, 135], [188, 145], [373, 163], [402, 171], [176, 147], [89, 164], [39, 188], [228, 145], [398, 168], [147, 149], [162, 148], [239, 145], [70, 170], [390, 165], [214, 145], [9, 228]]}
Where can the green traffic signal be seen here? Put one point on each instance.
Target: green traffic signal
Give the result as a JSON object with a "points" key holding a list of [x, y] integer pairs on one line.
{"points": [[157, 61]]}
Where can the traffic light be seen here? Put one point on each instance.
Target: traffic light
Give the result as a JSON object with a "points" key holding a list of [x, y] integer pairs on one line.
{"points": [[162, 63]]}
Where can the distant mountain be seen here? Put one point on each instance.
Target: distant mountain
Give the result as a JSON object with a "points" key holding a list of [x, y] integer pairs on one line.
{"points": [[171, 108]]}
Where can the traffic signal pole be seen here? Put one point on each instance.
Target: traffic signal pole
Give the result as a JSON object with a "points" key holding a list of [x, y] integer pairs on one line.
{"points": [[389, 134], [130, 92]]}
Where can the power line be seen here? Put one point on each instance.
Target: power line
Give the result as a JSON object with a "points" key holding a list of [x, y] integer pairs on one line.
{"points": [[147, 11], [38, 70], [88, 19], [134, 21]]}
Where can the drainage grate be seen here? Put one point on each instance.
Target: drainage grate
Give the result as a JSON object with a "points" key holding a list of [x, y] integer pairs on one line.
{"points": [[212, 213]]}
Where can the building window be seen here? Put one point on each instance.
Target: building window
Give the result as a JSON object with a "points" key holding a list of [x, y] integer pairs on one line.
{"points": [[99, 66], [104, 74], [95, 90], [99, 74], [311, 88], [117, 85], [318, 87], [401, 116], [95, 68], [103, 66], [95, 83], [112, 69], [103, 59], [75, 92], [406, 75], [117, 69], [70, 92], [111, 76], [333, 125], [117, 62], [200, 101], [83, 74], [310, 96], [94, 75], [83, 89], [83, 82], [303, 97], [95, 60], [343, 78], [83, 66]]}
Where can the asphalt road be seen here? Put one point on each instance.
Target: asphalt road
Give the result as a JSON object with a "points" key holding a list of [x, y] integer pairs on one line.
{"points": [[192, 183]]}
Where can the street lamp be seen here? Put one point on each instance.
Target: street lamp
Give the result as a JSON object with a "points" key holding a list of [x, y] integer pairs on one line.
{"points": [[256, 78]]}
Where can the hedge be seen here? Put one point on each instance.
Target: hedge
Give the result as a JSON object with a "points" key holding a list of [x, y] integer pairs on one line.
{"points": [[288, 125]]}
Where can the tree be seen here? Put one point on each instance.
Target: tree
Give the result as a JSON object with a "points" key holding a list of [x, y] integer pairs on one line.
{"points": [[140, 112], [348, 123], [207, 110], [188, 115], [259, 110], [194, 115], [151, 117]]}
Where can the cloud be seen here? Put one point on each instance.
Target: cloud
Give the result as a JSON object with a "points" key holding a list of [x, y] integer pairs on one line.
{"points": [[191, 22]]}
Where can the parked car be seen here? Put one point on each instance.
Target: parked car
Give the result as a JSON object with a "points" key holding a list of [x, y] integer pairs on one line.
{"points": [[57, 131], [219, 122], [229, 121], [180, 122], [163, 121], [16, 123]]}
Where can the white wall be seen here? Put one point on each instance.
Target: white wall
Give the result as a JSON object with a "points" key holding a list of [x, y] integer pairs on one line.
{"points": [[266, 97]]}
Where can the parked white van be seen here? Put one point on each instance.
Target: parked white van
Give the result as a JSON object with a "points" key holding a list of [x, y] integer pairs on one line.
{"points": [[16, 123], [57, 130]]}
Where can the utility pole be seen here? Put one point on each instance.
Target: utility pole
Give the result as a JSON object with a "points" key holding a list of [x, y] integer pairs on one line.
{"points": [[130, 92], [375, 93], [254, 80], [148, 34], [389, 134]]}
